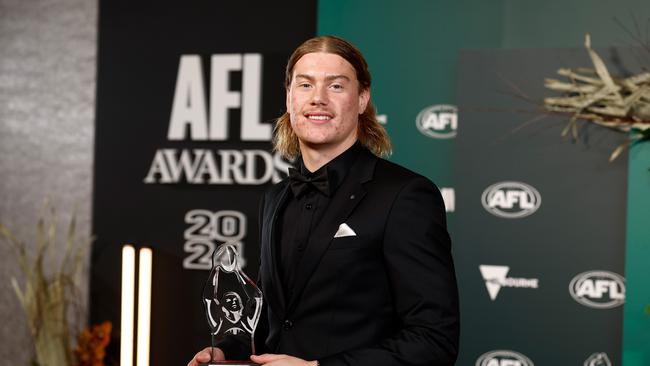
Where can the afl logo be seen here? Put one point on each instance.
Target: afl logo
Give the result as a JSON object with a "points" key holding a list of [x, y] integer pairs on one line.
{"points": [[598, 289], [598, 359], [511, 200], [438, 121], [503, 358]]}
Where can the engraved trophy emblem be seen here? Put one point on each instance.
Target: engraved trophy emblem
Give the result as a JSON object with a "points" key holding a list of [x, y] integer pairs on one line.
{"points": [[232, 302]]}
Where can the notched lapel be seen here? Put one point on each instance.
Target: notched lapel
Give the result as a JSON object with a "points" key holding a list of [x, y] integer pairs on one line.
{"points": [[273, 292]]}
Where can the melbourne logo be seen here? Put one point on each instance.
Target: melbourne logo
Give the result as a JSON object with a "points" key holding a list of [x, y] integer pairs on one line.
{"points": [[598, 289], [511, 200], [438, 121], [503, 358], [598, 359], [495, 278]]}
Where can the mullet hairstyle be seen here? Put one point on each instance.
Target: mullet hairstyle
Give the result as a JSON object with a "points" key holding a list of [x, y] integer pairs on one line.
{"points": [[369, 132]]}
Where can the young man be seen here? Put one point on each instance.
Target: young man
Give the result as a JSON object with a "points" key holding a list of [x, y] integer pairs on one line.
{"points": [[356, 264]]}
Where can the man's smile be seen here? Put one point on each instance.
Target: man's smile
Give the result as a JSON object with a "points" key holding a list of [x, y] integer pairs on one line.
{"points": [[319, 116]]}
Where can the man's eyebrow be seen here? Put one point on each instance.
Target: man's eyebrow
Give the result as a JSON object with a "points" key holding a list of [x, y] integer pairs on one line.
{"points": [[334, 77], [328, 78], [304, 76]]}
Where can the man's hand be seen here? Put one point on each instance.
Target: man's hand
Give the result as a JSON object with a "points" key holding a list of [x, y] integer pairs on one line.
{"points": [[269, 359], [204, 356]]}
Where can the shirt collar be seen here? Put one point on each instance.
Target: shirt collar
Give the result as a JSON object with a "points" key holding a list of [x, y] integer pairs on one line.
{"points": [[337, 168]]}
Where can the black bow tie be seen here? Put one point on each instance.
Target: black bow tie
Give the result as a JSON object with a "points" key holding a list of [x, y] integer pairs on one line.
{"points": [[301, 184]]}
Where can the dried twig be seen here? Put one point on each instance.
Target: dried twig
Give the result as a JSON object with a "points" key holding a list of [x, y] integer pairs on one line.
{"points": [[595, 96]]}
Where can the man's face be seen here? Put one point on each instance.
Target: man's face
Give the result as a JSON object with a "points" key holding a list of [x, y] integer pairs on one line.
{"points": [[324, 102]]}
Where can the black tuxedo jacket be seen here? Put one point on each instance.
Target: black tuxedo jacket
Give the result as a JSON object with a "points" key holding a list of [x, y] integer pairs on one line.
{"points": [[386, 296]]}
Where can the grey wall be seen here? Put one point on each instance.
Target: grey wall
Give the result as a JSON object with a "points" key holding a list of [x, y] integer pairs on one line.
{"points": [[47, 92]]}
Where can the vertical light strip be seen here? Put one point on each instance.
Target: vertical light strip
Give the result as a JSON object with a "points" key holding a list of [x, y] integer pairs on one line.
{"points": [[128, 301], [144, 307]]}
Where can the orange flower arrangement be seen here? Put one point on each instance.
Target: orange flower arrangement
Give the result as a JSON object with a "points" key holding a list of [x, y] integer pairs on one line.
{"points": [[91, 344]]}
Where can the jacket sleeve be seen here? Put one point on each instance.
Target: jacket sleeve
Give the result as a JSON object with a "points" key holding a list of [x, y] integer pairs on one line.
{"points": [[417, 254]]}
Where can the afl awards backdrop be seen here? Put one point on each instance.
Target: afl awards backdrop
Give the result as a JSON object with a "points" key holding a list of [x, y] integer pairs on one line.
{"points": [[186, 99]]}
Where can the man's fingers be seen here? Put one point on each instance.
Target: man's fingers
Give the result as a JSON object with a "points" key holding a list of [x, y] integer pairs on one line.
{"points": [[266, 358], [205, 355], [202, 356]]}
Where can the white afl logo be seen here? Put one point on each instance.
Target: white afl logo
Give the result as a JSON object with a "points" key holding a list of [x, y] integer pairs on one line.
{"points": [[438, 121], [511, 200], [598, 289], [503, 358]]}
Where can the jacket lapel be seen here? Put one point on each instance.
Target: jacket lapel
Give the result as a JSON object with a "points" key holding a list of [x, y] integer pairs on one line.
{"points": [[273, 292], [346, 198]]}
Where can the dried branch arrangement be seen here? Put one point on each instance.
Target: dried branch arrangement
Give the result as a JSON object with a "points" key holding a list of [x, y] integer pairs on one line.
{"points": [[50, 292], [595, 96]]}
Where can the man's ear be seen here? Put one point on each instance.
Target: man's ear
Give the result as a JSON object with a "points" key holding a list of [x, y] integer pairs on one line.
{"points": [[364, 98]]}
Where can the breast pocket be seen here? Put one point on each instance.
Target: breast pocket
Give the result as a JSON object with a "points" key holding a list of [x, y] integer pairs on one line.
{"points": [[349, 242]]}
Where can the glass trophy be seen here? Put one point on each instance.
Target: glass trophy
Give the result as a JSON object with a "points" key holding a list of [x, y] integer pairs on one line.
{"points": [[232, 301]]}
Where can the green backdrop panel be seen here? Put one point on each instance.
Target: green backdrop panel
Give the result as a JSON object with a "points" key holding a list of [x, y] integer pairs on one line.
{"points": [[636, 323]]}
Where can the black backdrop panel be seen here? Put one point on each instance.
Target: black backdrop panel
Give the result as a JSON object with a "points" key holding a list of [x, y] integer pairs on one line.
{"points": [[150, 187], [578, 224]]}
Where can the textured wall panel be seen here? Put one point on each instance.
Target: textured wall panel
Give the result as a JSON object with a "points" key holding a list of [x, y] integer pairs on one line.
{"points": [[47, 86]]}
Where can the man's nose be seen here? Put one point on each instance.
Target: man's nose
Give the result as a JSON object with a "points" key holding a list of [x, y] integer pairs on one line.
{"points": [[319, 96]]}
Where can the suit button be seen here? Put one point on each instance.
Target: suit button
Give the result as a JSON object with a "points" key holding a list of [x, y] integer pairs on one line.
{"points": [[288, 324]]}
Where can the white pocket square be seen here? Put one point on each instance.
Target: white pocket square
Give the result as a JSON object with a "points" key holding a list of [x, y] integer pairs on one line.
{"points": [[344, 230]]}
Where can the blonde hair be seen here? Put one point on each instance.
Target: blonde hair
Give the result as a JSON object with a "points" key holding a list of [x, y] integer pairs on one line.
{"points": [[369, 132]]}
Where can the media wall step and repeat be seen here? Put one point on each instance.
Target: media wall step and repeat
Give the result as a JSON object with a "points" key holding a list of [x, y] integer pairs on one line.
{"points": [[187, 95], [540, 234]]}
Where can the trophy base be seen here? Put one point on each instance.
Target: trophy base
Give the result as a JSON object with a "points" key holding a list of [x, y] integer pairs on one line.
{"points": [[230, 363]]}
